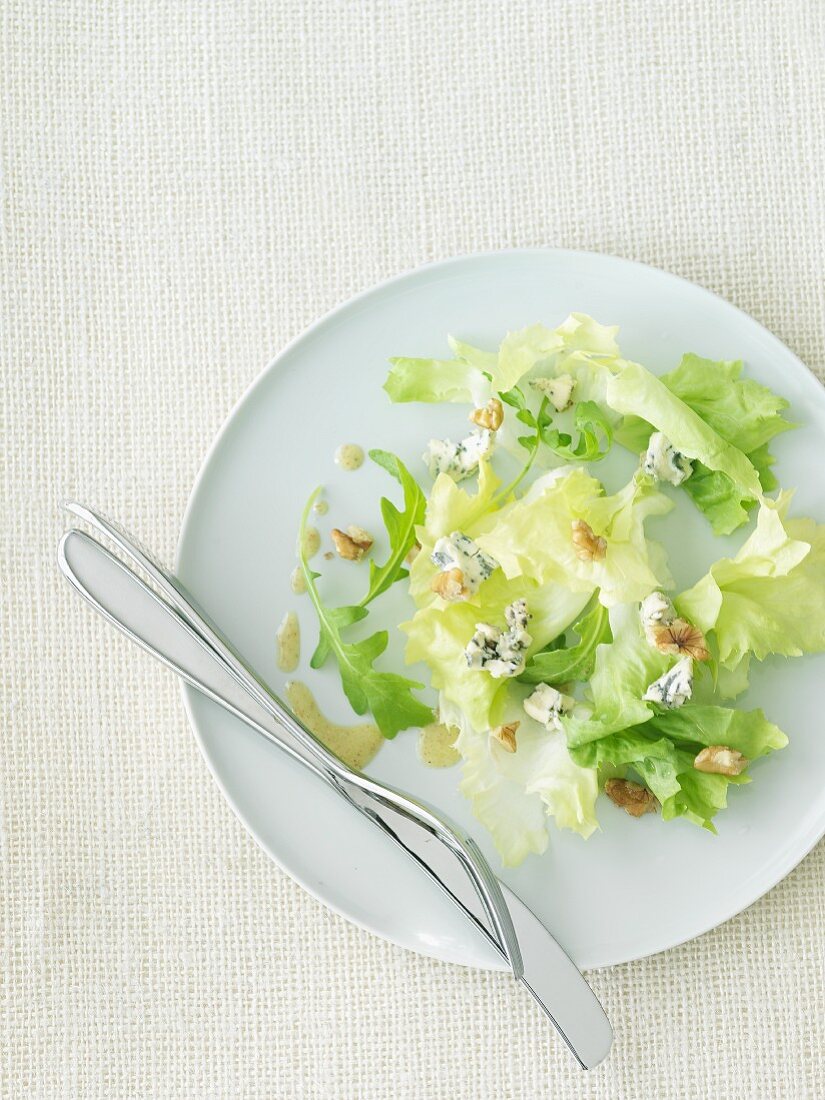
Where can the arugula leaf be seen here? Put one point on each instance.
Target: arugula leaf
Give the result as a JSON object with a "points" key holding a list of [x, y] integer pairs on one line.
{"points": [[595, 435], [516, 399], [401, 531], [400, 525], [388, 696], [558, 665], [594, 428]]}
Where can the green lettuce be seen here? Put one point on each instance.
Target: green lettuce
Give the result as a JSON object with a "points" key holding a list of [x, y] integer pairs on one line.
{"points": [[662, 750], [513, 794], [438, 634], [770, 597], [622, 673], [741, 412], [532, 537], [473, 375], [433, 380], [635, 391], [450, 507], [623, 730]]}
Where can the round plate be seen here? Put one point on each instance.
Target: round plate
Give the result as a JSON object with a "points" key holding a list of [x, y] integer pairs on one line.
{"points": [[638, 886]]}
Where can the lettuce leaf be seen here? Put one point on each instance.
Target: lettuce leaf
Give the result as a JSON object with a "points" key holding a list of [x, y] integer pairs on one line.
{"points": [[661, 751], [513, 794], [742, 412], [438, 633], [533, 536], [769, 598], [450, 507], [433, 380], [660, 745], [623, 670], [635, 391], [475, 374]]}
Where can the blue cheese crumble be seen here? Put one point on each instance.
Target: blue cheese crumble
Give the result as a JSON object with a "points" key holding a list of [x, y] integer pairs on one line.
{"points": [[501, 652], [674, 687], [458, 460], [547, 705], [463, 564], [663, 462], [655, 610], [558, 391]]}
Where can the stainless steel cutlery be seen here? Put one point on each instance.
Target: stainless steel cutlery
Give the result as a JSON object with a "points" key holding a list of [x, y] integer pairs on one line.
{"points": [[166, 621]]}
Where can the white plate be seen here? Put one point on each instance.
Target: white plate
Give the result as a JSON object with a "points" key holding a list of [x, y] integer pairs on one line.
{"points": [[637, 887]]}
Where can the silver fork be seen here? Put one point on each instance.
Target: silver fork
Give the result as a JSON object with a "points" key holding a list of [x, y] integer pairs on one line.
{"points": [[172, 627]]}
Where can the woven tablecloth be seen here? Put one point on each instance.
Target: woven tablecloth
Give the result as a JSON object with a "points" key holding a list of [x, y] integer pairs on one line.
{"points": [[184, 186]]}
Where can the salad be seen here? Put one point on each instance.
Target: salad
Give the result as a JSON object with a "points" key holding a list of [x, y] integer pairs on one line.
{"points": [[564, 661]]}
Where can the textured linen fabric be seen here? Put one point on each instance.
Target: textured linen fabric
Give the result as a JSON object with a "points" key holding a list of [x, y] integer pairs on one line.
{"points": [[184, 186]]}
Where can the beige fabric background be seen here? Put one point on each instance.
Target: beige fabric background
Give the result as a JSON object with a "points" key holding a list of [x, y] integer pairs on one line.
{"points": [[183, 187]]}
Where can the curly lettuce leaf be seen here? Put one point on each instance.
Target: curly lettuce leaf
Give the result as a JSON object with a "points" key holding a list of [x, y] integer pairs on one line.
{"points": [[475, 374], [770, 597], [635, 391], [625, 731], [450, 507], [433, 380], [438, 634], [741, 412], [513, 794], [532, 537], [623, 671]]}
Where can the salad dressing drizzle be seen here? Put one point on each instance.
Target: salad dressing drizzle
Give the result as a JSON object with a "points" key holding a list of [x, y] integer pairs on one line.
{"points": [[349, 456], [288, 643], [312, 542], [436, 746], [297, 580], [355, 745]]}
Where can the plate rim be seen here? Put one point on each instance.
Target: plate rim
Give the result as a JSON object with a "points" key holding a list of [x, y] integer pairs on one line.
{"points": [[817, 392]]}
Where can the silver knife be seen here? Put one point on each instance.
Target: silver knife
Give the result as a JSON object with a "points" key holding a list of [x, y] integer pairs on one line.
{"points": [[184, 639]]}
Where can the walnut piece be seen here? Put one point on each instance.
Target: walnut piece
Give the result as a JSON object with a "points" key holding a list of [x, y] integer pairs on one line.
{"points": [[490, 417], [506, 736], [588, 545], [450, 586], [720, 760], [680, 637], [632, 797], [353, 543]]}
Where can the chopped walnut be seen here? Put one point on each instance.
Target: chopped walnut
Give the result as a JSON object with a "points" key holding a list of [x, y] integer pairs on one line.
{"points": [[632, 797], [588, 545], [680, 637], [353, 543], [720, 760], [506, 736], [490, 416], [450, 586]]}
